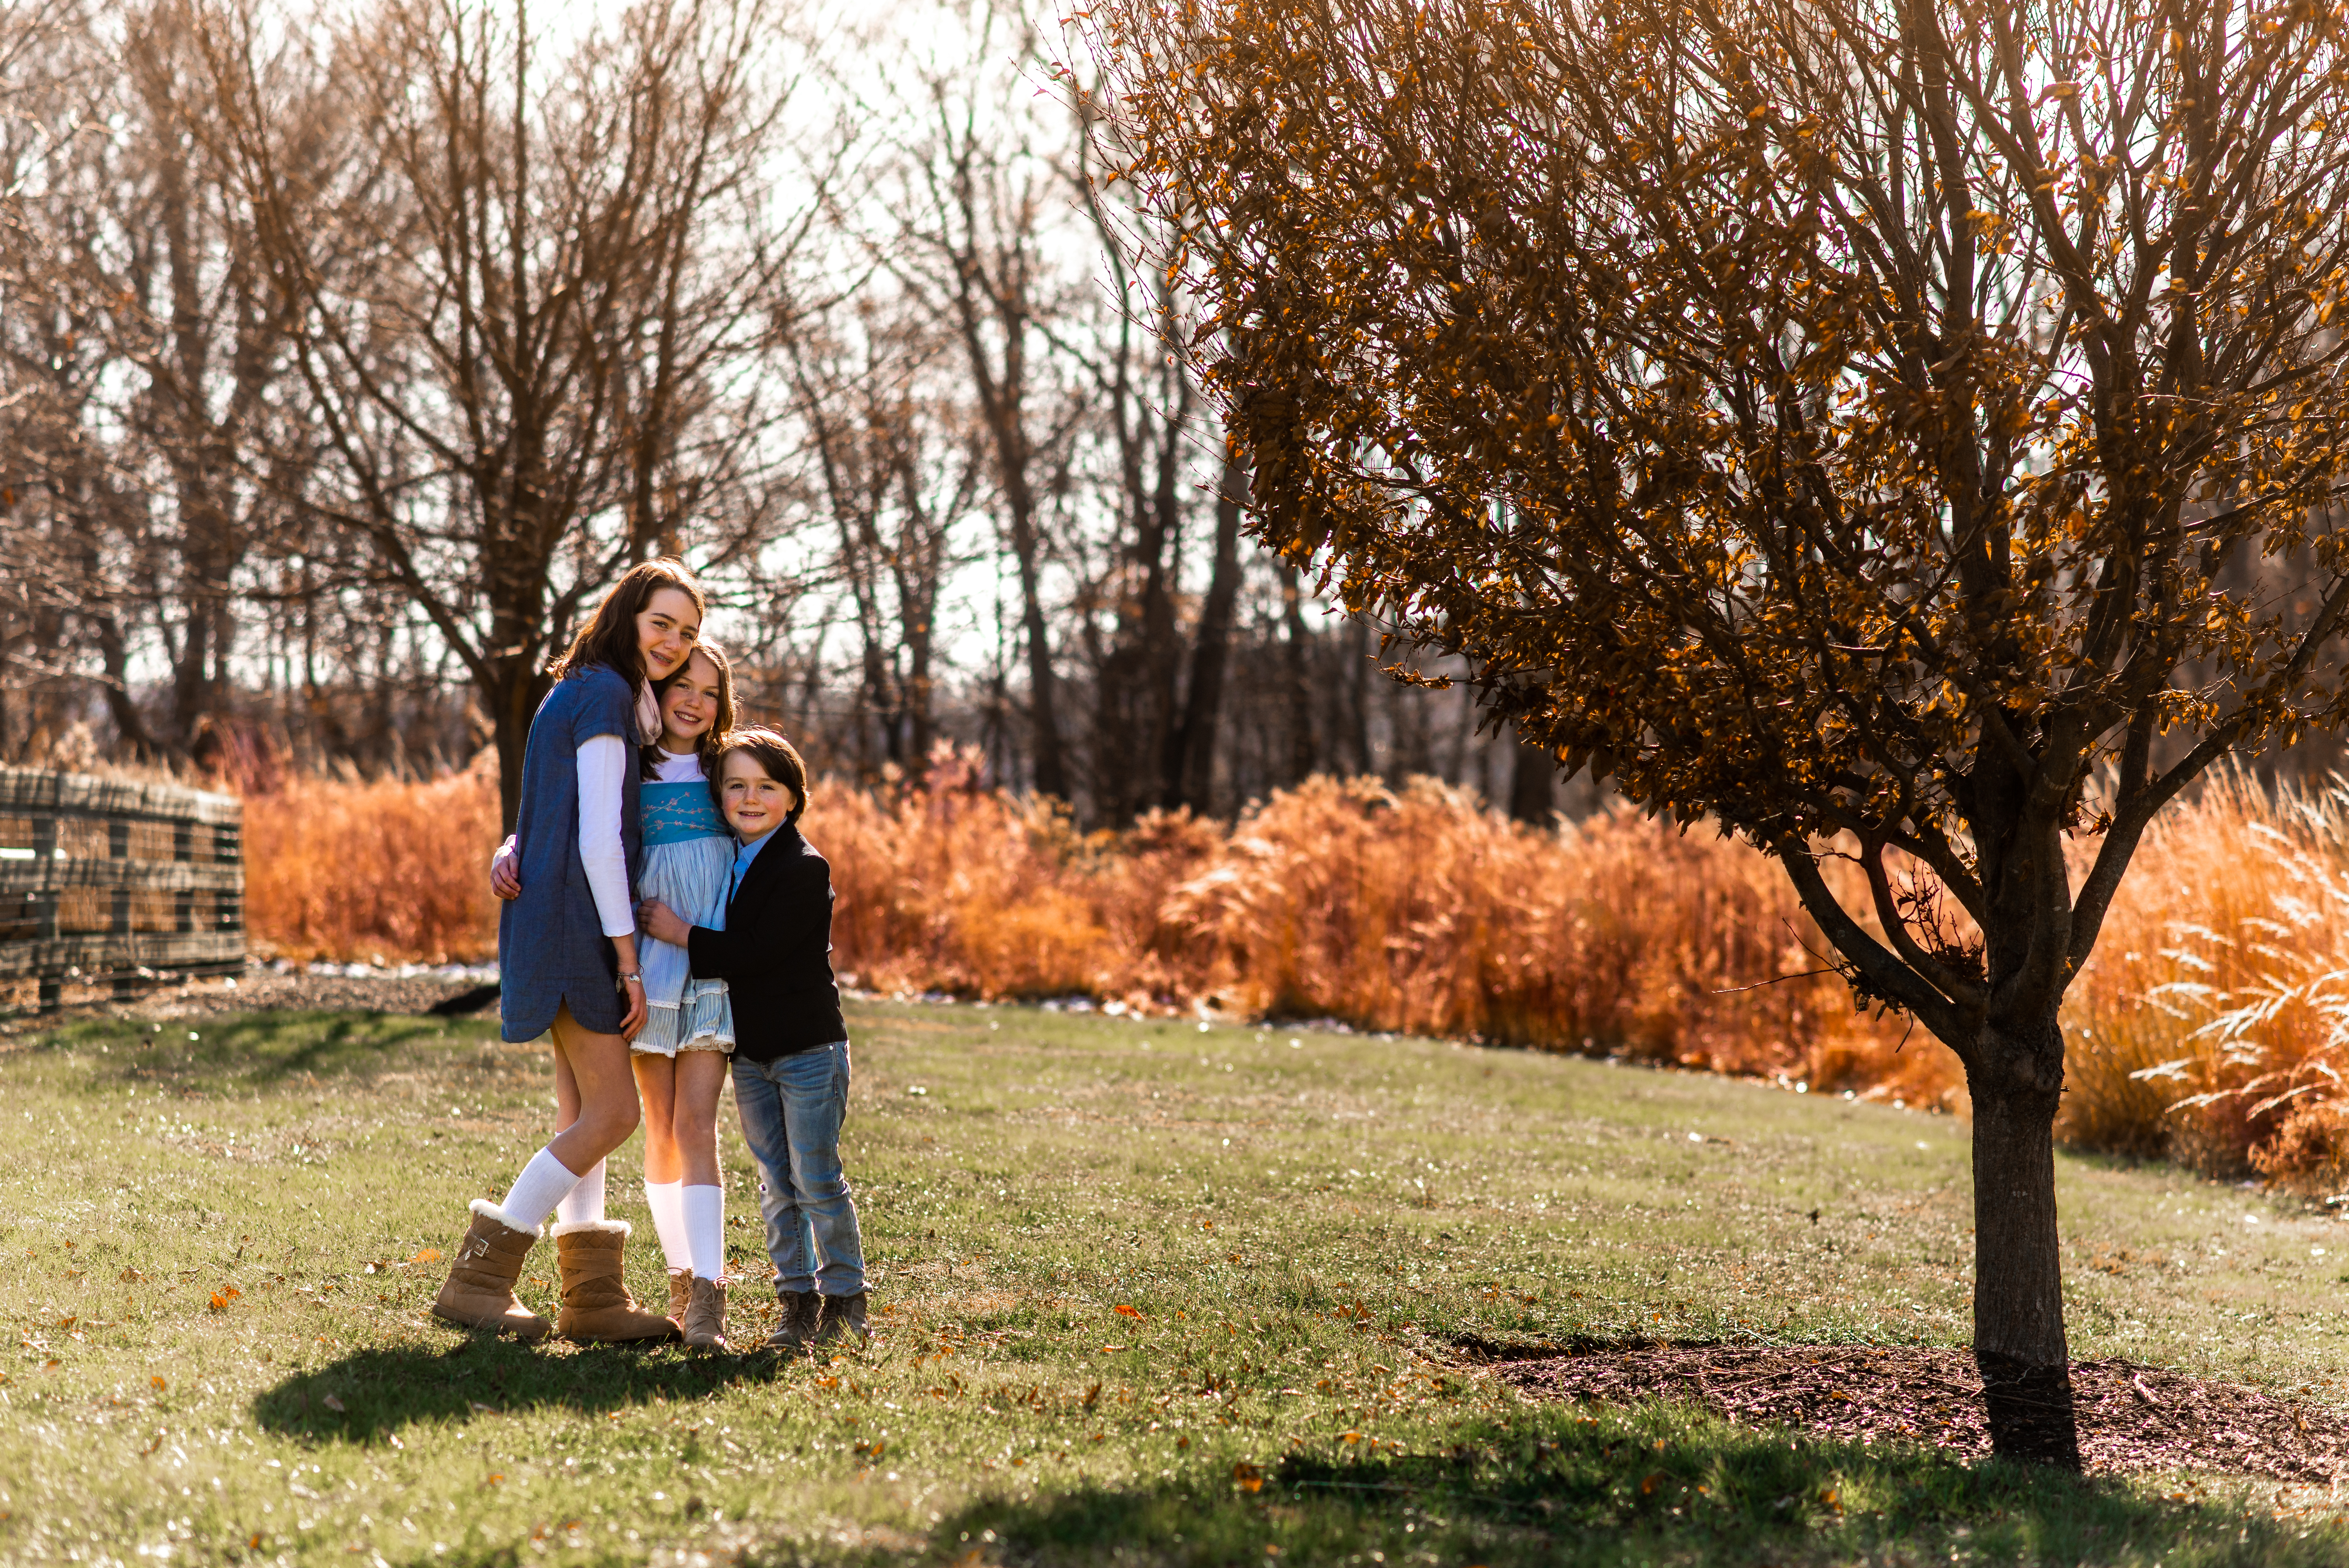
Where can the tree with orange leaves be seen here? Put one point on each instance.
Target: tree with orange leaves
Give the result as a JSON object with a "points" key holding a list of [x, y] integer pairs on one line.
{"points": [[1860, 422]]}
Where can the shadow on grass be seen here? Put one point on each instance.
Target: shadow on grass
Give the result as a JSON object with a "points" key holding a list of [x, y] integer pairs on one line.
{"points": [[380, 1391], [1653, 1485], [259, 1051]]}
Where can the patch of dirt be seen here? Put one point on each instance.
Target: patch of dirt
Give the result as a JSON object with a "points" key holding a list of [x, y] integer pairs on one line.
{"points": [[2132, 1419], [262, 990]]}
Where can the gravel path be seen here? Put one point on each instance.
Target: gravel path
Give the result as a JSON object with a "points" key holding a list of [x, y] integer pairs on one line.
{"points": [[463, 992]]}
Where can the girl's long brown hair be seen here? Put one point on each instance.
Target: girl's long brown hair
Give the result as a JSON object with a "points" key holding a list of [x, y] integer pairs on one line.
{"points": [[720, 723], [610, 639]]}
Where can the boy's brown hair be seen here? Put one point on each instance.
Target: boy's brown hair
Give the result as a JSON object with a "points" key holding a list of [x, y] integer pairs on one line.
{"points": [[777, 756]]}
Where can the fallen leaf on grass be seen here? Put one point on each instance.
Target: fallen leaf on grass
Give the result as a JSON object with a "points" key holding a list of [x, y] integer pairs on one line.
{"points": [[68, 1322], [131, 1276], [223, 1296], [429, 1256], [1112, 1349], [159, 1384], [1247, 1476], [1124, 1311], [333, 1403]]}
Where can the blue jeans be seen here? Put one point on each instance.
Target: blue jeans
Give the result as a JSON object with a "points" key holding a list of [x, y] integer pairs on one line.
{"points": [[791, 1110]]}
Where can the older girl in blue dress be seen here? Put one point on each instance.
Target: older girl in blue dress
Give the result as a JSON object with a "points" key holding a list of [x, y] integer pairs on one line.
{"points": [[682, 1055], [568, 961]]}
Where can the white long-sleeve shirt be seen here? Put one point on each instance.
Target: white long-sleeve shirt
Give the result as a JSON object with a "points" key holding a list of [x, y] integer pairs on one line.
{"points": [[604, 763], [673, 768]]}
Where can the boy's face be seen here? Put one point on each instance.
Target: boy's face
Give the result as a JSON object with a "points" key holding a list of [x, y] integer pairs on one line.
{"points": [[755, 805]]}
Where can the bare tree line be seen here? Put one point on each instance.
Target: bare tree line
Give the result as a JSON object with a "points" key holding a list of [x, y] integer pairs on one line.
{"points": [[345, 354]]}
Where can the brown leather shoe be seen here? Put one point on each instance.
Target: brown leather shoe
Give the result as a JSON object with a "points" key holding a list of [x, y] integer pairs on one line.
{"points": [[596, 1306], [705, 1314], [842, 1314], [801, 1310], [479, 1291]]}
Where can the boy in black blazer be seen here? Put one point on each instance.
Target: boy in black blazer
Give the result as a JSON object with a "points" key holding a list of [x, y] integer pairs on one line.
{"points": [[791, 1043]]}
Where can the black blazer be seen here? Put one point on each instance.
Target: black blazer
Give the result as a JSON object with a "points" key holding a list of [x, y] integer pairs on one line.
{"points": [[775, 954]]}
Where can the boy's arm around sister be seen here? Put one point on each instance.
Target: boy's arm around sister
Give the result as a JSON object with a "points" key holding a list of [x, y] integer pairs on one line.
{"points": [[775, 954]]}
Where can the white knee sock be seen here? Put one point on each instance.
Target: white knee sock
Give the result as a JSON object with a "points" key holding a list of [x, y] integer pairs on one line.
{"points": [[705, 1230], [544, 1182], [585, 1203], [667, 1201]]}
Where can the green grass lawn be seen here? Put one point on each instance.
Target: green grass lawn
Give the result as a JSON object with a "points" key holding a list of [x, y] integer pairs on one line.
{"points": [[1145, 1295]]}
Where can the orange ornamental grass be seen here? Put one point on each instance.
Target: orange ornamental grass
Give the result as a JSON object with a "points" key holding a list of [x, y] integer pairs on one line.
{"points": [[389, 871], [1414, 910], [2209, 1025]]}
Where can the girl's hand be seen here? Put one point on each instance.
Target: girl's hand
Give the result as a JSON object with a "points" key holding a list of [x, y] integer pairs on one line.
{"points": [[663, 923], [633, 1020], [505, 878]]}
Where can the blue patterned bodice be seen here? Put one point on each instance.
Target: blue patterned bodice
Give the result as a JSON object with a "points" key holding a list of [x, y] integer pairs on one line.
{"points": [[676, 812]]}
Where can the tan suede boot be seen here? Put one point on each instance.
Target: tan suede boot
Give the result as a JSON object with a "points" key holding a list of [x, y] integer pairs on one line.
{"points": [[479, 1292], [705, 1314], [680, 1293], [597, 1305]]}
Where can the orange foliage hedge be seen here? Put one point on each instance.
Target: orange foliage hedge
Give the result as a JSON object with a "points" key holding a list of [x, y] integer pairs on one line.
{"points": [[2208, 1026], [1412, 910], [387, 871]]}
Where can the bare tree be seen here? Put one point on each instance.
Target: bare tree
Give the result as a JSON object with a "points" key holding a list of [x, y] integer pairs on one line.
{"points": [[522, 293], [971, 202]]}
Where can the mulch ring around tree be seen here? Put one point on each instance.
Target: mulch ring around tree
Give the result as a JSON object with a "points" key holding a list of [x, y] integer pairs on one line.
{"points": [[2131, 1417]]}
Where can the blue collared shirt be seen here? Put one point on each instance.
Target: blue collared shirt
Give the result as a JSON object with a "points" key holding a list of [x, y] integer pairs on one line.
{"points": [[744, 855]]}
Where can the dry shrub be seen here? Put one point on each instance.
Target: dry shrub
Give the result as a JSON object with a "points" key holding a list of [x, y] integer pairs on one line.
{"points": [[1412, 910], [2209, 1026], [385, 871]]}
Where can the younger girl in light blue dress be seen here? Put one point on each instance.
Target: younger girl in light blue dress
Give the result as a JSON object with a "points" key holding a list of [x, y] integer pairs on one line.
{"points": [[680, 1055]]}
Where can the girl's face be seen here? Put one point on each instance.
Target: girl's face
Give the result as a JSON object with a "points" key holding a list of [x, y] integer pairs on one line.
{"points": [[665, 629], [755, 805], [689, 704]]}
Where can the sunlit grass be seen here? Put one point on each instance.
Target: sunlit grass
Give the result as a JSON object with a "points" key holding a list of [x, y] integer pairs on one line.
{"points": [[1300, 1235]]}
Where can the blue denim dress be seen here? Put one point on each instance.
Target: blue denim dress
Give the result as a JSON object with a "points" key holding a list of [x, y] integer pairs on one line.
{"points": [[551, 944]]}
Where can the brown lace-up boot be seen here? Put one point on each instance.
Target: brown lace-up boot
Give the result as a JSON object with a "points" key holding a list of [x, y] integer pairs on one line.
{"points": [[680, 1291], [596, 1306], [843, 1315], [802, 1309], [705, 1314], [479, 1291]]}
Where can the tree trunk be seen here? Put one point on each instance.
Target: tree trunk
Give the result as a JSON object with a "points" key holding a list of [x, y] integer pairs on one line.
{"points": [[2017, 1083], [1533, 784], [1043, 717], [1296, 682], [513, 701], [1190, 767]]}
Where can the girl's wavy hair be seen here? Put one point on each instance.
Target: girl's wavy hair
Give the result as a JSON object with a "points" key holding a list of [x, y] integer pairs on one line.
{"points": [[610, 639], [720, 723]]}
